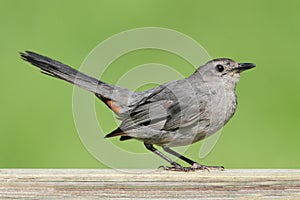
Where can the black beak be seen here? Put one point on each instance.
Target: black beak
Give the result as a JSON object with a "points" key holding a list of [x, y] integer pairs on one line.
{"points": [[244, 66]]}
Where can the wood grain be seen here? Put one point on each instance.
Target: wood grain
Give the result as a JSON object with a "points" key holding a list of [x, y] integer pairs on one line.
{"points": [[148, 184]]}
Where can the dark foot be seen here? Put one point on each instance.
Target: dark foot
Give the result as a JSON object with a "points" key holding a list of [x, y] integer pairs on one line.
{"points": [[176, 167], [197, 166], [194, 167]]}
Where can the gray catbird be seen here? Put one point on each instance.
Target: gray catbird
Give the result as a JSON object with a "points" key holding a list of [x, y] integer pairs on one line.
{"points": [[176, 113]]}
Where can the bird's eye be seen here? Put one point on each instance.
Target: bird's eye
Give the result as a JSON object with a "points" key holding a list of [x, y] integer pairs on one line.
{"points": [[219, 68]]}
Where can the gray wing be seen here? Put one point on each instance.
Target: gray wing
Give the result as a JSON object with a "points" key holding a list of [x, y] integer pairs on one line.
{"points": [[166, 110]]}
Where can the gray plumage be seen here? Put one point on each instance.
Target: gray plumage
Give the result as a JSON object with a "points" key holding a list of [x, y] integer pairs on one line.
{"points": [[176, 113]]}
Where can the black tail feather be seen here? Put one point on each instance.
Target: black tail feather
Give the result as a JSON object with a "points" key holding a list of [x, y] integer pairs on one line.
{"points": [[117, 132], [59, 70]]}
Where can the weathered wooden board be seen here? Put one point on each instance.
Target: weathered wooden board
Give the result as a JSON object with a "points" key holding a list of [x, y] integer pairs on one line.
{"points": [[148, 184]]}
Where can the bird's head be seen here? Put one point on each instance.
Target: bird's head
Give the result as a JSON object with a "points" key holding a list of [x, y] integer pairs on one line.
{"points": [[223, 70]]}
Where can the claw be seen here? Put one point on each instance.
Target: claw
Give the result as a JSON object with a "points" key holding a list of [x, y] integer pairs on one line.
{"points": [[175, 167], [194, 167], [181, 169], [197, 166]]}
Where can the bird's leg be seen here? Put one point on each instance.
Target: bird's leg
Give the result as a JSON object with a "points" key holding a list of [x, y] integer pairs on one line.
{"points": [[175, 165], [194, 165]]}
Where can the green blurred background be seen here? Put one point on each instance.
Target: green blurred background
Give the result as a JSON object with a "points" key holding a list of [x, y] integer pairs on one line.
{"points": [[37, 128]]}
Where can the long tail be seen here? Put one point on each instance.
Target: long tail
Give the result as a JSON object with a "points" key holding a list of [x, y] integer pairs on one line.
{"points": [[59, 70], [108, 93]]}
